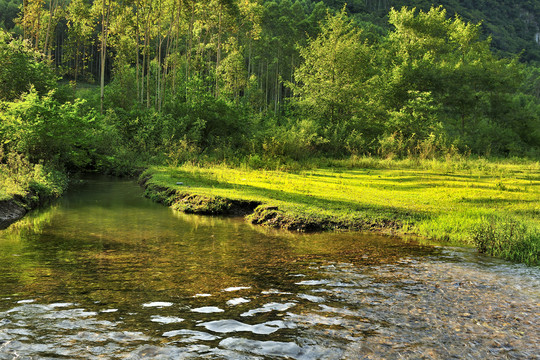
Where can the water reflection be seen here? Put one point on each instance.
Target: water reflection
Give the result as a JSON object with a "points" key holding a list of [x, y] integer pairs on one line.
{"points": [[105, 273]]}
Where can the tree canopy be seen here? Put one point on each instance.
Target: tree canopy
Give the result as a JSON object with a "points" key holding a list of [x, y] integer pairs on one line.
{"points": [[275, 78]]}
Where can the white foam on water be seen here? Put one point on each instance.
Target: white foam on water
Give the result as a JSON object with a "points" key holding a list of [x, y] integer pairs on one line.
{"points": [[269, 307], [237, 288], [158, 304], [228, 326], [237, 301], [208, 310], [165, 319]]}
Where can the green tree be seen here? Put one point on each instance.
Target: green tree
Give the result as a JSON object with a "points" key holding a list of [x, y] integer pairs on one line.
{"points": [[80, 26], [333, 82], [22, 68], [446, 59]]}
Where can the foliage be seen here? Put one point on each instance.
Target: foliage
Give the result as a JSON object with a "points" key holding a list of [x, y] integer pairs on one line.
{"points": [[19, 177], [432, 77], [8, 12], [280, 79], [21, 68], [511, 24], [42, 129]]}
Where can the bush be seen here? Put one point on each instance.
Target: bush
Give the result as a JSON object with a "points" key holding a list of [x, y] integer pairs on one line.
{"points": [[293, 140], [42, 129], [18, 177]]}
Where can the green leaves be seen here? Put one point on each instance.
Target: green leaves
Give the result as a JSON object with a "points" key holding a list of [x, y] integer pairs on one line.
{"points": [[431, 76], [43, 129], [332, 83], [21, 68]]}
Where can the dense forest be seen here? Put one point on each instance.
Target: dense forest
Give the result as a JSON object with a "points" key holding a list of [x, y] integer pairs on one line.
{"points": [[104, 84]]}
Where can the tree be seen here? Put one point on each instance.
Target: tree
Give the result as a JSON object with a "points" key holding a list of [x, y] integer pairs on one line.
{"points": [[446, 59], [333, 81], [105, 18], [80, 25], [22, 68], [30, 20]]}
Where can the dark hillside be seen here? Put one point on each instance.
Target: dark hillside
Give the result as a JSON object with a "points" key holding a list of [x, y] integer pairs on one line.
{"points": [[513, 25]]}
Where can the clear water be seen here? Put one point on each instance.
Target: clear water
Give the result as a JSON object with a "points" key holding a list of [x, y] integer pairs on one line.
{"points": [[107, 274]]}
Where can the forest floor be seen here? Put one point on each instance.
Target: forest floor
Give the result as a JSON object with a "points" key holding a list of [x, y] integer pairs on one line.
{"points": [[466, 202]]}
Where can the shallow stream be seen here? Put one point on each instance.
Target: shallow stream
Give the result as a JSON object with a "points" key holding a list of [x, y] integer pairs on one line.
{"points": [[106, 274]]}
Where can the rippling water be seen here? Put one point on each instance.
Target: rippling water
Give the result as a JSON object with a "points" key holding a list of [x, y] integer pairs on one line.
{"points": [[106, 274]]}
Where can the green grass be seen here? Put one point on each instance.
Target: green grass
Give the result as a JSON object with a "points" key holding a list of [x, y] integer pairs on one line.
{"points": [[445, 200]]}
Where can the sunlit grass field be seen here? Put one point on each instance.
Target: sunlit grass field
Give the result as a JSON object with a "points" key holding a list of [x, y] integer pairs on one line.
{"points": [[440, 199]]}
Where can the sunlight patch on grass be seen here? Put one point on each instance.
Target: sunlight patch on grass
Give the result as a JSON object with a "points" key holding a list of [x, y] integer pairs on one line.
{"points": [[438, 200]]}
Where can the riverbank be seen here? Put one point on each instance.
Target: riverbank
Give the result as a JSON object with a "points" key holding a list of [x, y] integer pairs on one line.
{"points": [[493, 206], [25, 186], [10, 211], [18, 206]]}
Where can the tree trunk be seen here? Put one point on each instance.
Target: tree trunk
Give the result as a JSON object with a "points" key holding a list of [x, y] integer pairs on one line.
{"points": [[76, 61], [266, 87], [24, 13], [45, 46], [218, 57], [37, 29], [104, 35], [138, 41], [190, 42]]}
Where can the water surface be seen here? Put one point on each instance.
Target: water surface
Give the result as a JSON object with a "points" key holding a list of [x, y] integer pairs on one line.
{"points": [[105, 273]]}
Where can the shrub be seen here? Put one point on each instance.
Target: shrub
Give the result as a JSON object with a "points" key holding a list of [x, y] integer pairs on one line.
{"points": [[42, 129], [18, 177]]}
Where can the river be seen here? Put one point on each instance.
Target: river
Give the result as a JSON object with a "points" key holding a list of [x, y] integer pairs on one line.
{"points": [[104, 273]]}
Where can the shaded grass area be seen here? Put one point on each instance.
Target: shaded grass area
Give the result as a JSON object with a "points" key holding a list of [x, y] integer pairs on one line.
{"points": [[446, 200]]}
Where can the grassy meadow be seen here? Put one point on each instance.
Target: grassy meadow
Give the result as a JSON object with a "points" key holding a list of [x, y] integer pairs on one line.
{"points": [[493, 205]]}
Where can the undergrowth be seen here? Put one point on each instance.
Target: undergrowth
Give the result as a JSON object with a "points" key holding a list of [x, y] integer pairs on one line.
{"points": [[20, 177]]}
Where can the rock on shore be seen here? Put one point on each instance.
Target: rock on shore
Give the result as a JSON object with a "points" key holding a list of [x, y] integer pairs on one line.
{"points": [[10, 211]]}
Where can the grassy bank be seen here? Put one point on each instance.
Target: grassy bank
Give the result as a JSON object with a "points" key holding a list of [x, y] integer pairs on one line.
{"points": [[24, 186], [494, 206]]}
